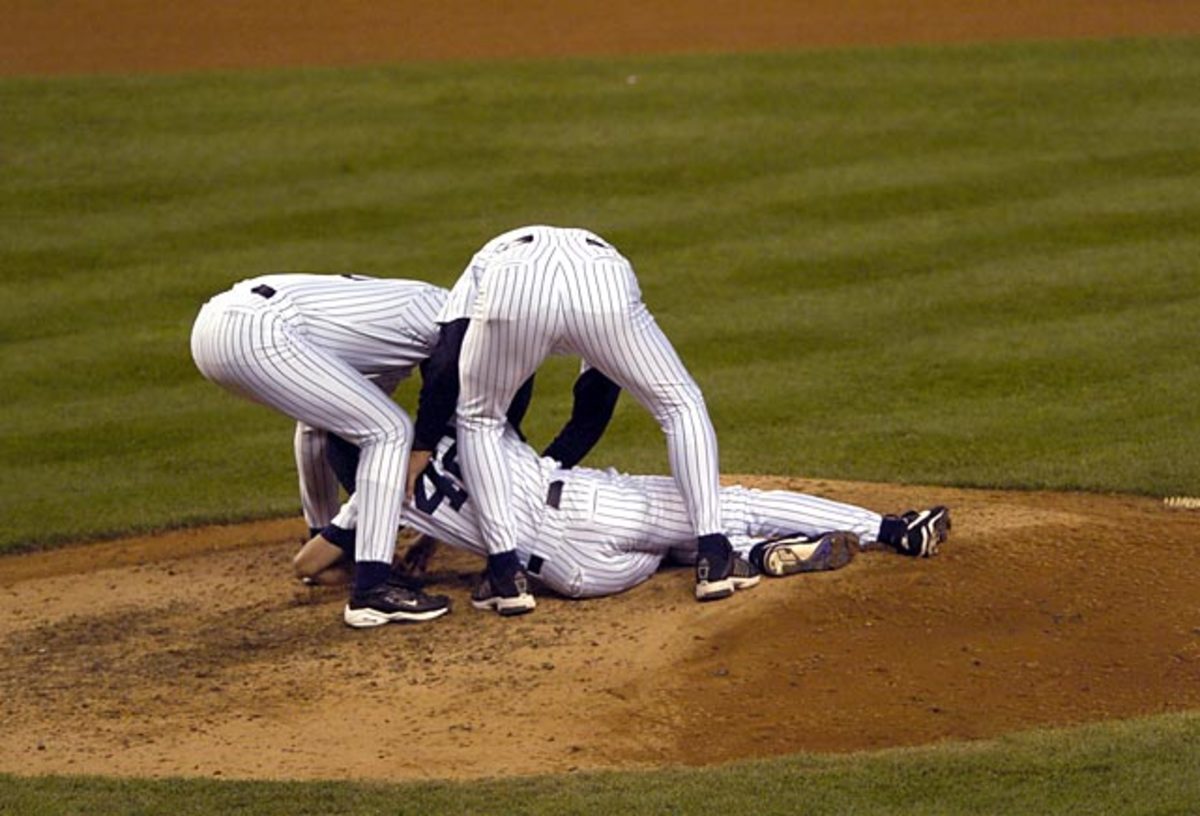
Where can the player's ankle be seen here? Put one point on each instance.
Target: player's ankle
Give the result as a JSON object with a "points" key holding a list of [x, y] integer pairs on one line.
{"points": [[713, 545], [503, 564], [370, 574]]}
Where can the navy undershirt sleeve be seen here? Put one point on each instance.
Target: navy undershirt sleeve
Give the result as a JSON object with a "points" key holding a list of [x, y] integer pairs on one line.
{"points": [[439, 390], [439, 386], [595, 400]]}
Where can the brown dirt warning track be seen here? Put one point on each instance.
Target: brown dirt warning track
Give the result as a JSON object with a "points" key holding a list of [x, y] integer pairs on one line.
{"points": [[194, 653]]}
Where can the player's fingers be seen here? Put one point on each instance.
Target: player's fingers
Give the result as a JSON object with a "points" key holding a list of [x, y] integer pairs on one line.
{"points": [[418, 555]]}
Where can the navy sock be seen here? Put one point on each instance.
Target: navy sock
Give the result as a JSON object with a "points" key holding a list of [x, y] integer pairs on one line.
{"points": [[892, 530], [368, 574], [713, 544], [503, 564]]}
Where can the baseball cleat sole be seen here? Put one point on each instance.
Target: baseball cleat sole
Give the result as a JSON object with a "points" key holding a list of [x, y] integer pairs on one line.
{"points": [[828, 552], [367, 618], [507, 606], [714, 590], [745, 582]]}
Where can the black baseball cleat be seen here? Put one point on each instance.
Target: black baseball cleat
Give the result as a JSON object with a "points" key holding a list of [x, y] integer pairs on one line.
{"points": [[508, 595], [714, 568], [391, 603], [789, 555], [744, 574], [924, 532]]}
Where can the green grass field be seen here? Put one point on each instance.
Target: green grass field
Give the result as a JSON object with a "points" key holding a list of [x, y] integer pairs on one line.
{"points": [[962, 266], [970, 266]]}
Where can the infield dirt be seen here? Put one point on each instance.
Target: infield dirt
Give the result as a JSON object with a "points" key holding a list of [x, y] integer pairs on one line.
{"points": [[194, 653]]}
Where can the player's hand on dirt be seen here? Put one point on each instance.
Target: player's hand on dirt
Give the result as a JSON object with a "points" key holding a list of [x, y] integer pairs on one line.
{"points": [[417, 556], [417, 460]]}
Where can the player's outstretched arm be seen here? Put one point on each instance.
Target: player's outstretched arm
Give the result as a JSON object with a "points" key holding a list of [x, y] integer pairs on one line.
{"points": [[595, 400]]}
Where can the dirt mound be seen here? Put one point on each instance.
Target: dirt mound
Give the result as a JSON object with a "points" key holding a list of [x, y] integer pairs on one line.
{"points": [[196, 654]]}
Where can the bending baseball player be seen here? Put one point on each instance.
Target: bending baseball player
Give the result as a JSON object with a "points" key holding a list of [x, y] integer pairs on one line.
{"points": [[537, 291], [326, 350], [584, 532]]}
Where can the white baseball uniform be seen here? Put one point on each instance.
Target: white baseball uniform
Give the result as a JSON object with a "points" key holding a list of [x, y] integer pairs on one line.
{"points": [[600, 532], [537, 291], [320, 495], [319, 490], [327, 350]]}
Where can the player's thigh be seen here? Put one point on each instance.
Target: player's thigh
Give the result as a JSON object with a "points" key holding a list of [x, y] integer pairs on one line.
{"points": [[618, 572], [634, 352], [498, 355], [633, 513], [316, 387]]}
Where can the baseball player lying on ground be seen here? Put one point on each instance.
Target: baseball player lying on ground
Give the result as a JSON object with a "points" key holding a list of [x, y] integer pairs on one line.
{"points": [[586, 533]]}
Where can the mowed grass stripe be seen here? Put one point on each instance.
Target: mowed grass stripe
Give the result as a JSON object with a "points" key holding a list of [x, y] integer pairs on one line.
{"points": [[968, 265]]}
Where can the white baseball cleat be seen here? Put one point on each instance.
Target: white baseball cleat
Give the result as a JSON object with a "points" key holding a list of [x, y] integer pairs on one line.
{"points": [[800, 553]]}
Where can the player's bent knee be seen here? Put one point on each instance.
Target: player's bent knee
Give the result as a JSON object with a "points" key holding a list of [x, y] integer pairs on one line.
{"points": [[477, 422], [317, 556]]}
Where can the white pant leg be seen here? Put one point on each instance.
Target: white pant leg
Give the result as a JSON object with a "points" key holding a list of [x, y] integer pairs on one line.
{"points": [[511, 332], [319, 493], [752, 515], [613, 330], [649, 513], [250, 349], [595, 542]]}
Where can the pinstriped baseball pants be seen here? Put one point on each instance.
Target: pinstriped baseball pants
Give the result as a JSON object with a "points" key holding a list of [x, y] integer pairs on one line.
{"points": [[579, 296], [255, 348]]}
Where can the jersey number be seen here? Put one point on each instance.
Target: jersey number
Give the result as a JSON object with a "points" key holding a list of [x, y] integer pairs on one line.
{"points": [[435, 487]]}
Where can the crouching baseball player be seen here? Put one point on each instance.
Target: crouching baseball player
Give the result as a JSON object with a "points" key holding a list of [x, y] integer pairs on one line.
{"points": [[326, 350], [586, 533]]}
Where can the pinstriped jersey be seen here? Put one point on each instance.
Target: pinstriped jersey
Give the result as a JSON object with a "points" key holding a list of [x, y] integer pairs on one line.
{"points": [[377, 325], [607, 531], [440, 506]]}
